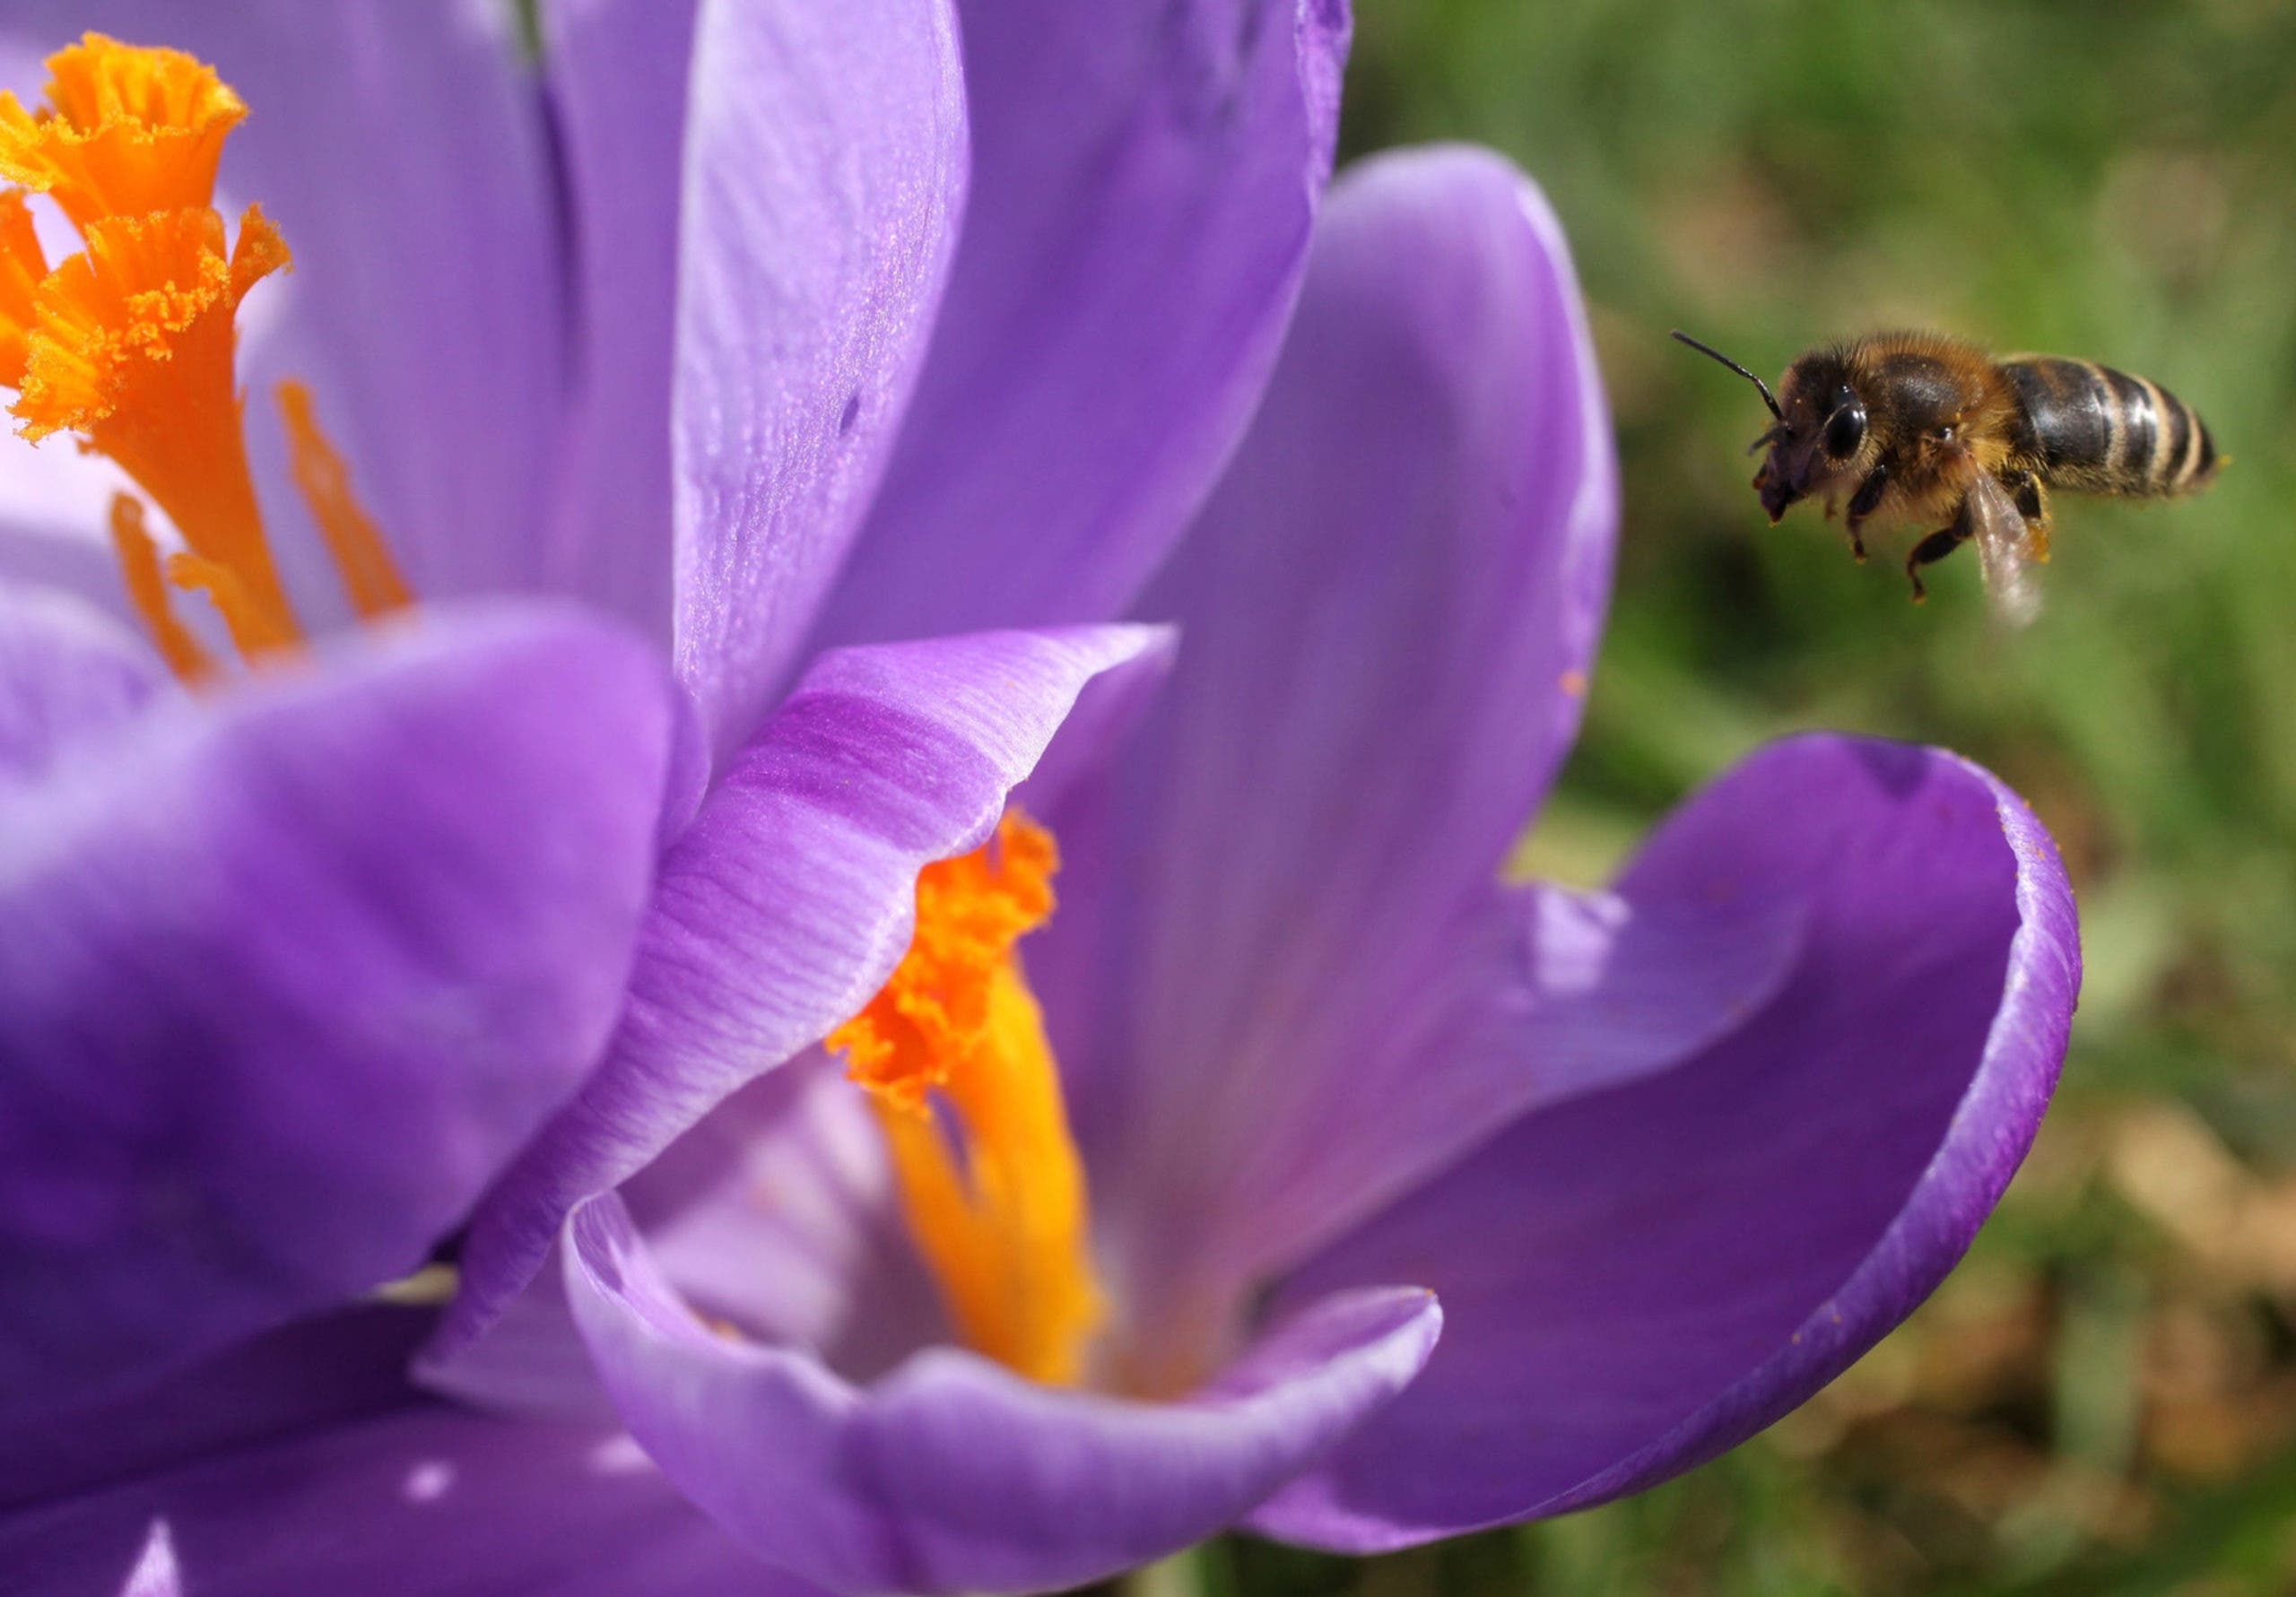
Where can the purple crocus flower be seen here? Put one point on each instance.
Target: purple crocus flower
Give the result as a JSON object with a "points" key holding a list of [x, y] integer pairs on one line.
{"points": [[1421, 1201], [627, 357]]}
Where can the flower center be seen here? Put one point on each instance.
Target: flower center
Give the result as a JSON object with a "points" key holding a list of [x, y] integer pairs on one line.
{"points": [[129, 344], [953, 1055]]}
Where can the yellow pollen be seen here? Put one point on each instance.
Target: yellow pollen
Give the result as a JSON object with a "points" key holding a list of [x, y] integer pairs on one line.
{"points": [[125, 131], [132, 343], [952, 1054]]}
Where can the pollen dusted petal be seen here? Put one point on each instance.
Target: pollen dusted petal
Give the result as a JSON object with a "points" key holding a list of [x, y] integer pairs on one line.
{"points": [[992, 1193], [126, 131]]}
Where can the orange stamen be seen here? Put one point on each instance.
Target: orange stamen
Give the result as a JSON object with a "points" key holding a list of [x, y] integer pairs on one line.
{"points": [[133, 350], [370, 576], [23, 264], [993, 1192], [132, 343], [139, 563], [125, 131]]}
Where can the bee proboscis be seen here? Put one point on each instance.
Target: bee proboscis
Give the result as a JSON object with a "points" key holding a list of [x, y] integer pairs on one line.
{"points": [[1916, 427]]}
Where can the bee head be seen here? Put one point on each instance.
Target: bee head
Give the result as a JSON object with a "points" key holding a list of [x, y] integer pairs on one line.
{"points": [[1815, 435], [1818, 436]]}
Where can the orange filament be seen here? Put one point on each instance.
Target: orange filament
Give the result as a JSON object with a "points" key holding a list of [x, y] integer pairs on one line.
{"points": [[139, 563], [370, 576], [131, 345], [124, 132], [952, 1054]]}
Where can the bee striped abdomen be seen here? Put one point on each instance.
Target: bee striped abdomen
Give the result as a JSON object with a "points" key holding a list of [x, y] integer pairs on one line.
{"points": [[2097, 430]]}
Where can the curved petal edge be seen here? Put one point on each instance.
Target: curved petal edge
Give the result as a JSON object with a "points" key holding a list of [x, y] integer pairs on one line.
{"points": [[950, 1474], [1631, 1340], [787, 901]]}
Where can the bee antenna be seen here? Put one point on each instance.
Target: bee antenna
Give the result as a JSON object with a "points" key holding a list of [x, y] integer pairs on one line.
{"points": [[1706, 349]]}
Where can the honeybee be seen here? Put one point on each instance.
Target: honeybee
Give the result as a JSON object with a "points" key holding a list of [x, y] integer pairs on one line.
{"points": [[1913, 427]]}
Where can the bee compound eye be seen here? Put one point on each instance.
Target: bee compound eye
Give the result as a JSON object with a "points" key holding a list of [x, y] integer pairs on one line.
{"points": [[1846, 428]]}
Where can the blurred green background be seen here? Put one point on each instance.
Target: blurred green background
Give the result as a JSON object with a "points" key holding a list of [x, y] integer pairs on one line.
{"points": [[2103, 1398]]}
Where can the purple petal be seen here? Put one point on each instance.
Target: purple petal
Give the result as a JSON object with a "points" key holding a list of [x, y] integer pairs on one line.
{"points": [[327, 1369], [400, 150], [531, 1364], [287, 976], [1161, 164], [1388, 608], [68, 673], [790, 899], [302, 1465], [951, 1474], [1643, 1278], [1539, 997], [617, 72], [777, 1214], [825, 162]]}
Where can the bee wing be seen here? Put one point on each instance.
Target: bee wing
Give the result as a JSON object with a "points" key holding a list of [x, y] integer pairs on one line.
{"points": [[2003, 552]]}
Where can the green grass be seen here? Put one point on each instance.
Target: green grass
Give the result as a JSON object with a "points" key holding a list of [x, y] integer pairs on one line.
{"points": [[2104, 1399]]}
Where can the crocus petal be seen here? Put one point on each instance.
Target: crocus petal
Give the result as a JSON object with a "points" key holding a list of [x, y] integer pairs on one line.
{"points": [[951, 1474], [616, 71], [67, 673], [1539, 997], [1639, 1278], [329, 1368], [825, 162], [1162, 163], [531, 1364], [302, 1465], [789, 901], [1389, 608], [777, 1214], [400, 150], [286, 976]]}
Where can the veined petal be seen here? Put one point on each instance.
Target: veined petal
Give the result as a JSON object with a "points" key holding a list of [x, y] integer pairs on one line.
{"points": [[67, 673], [1162, 163], [286, 977], [617, 74], [401, 152], [825, 162], [1640, 1279], [951, 1474], [779, 1213], [302, 1463], [1389, 609], [787, 902]]}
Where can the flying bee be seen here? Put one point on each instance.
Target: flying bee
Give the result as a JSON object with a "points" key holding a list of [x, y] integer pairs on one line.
{"points": [[1913, 427]]}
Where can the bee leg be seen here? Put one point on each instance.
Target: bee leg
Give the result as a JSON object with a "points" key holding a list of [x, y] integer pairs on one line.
{"points": [[1936, 547], [2032, 504], [1864, 503]]}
